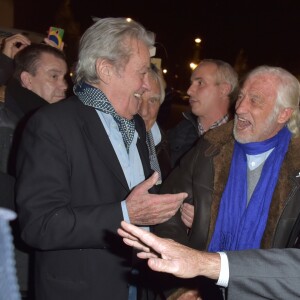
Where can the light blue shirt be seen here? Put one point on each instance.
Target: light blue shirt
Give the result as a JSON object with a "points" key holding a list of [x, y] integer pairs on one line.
{"points": [[131, 165], [254, 161], [130, 162]]}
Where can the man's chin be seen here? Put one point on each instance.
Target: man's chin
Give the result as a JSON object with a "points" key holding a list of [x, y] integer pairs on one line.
{"points": [[242, 137]]}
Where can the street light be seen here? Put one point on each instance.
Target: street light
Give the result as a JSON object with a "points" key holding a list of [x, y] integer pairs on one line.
{"points": [[197, 40], [196, 58], [193, 66]]}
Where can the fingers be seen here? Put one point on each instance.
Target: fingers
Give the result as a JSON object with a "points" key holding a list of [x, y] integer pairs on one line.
{"points": [[189, 209], [133, 241], [143, 187], [187, 214], [145, 237], [151, 181], [151, 209], [14, 44], [186, 221], [146, 255], [17, 38], [126, 234], [166, 199], [180, 196], [131, 230], [136, 244]]}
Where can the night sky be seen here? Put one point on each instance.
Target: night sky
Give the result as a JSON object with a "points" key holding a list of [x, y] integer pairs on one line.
{"points": [[267, 32]]}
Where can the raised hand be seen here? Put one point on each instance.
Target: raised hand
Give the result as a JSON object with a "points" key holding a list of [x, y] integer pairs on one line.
{"points": [[13, 44], [168, 256], [150, 209]]}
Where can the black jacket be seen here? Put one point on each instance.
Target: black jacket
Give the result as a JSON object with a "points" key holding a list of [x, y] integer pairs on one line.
{"points": [[72, 215], [183, 137], [20, 103], [6, 68]]}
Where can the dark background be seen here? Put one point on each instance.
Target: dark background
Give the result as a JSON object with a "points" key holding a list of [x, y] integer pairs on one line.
{"points": [[244, 33]]}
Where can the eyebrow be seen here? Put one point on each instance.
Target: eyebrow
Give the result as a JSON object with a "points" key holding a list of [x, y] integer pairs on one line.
{"points": [[155, 96]]}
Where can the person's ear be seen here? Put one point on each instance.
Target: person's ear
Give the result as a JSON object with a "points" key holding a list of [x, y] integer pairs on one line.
{"points": [[284, 115], [26, 80], [104, 70], [225, 89]]}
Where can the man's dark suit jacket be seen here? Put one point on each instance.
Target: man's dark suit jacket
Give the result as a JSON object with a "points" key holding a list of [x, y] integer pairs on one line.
{"points": [[69, 188]]}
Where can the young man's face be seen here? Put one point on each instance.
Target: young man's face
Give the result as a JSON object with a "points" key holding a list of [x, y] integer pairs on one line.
{"points": [[204, 91]]}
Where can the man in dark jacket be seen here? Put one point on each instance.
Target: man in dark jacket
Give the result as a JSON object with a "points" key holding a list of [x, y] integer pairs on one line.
{"points": [[38, 79], [244, 187], [10, 47], [212, 84], [83, 166]]}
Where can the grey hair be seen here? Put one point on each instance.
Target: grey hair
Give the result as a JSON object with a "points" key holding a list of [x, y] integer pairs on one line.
{"points": [[157, 75], [106, 39], [288, 93]]}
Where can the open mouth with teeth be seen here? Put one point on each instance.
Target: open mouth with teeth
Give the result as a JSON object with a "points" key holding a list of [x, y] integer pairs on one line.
{"points": [[242, 123], [137, 95]]}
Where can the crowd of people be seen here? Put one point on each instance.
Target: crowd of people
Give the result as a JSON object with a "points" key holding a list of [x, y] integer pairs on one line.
{"points": [[214, 201]]}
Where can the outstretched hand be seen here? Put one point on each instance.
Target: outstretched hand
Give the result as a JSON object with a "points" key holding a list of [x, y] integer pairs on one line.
{"points": [[168, 256], [150, 209]]}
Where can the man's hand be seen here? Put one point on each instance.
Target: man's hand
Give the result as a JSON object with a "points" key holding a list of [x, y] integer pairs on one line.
{"points": [[150, 209], [13, 44], [187, 214], [170, 257]]}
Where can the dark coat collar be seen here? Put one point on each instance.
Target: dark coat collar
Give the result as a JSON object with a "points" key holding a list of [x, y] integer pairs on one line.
{"points": [[20, 100], [221, 149]]}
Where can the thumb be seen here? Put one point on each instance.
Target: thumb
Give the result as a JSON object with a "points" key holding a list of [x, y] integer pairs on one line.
{"points": [[159, 265], [151, 181]]}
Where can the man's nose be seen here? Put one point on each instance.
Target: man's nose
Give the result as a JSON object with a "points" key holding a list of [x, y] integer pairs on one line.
{"points": [[242, 105], [64, 85], [143, 110]]}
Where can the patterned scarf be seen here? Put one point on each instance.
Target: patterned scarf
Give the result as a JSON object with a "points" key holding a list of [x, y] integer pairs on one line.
{"points": [[239, 226], [94, 97]]}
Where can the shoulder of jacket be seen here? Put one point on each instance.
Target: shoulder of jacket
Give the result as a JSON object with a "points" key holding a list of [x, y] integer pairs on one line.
{"points": [[293, 154], [212, 142]]}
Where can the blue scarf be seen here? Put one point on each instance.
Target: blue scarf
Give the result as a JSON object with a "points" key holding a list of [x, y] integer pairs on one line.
{"points": [[239, 226], [94, 97]]}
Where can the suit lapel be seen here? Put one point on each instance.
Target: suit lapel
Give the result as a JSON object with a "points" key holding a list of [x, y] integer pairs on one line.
{"points": [[95, 132]]}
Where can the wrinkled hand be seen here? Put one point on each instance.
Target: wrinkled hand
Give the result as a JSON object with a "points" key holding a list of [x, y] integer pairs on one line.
{"points": [[187, 214], [13, 44], [150, 209], [53, 44], [168, 256]]}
